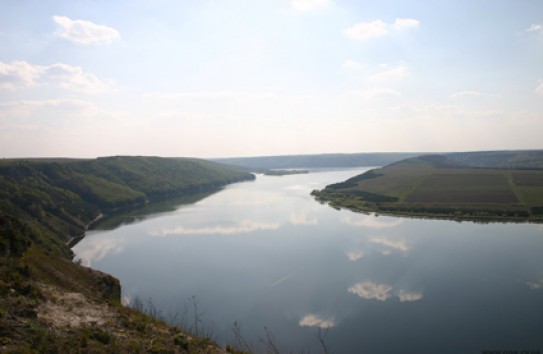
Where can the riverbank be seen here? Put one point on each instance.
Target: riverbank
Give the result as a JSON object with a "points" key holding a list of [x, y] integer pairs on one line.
{"points": [[52, 305], [436, 187]]}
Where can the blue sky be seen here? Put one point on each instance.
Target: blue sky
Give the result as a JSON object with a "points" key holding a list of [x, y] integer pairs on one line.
{"points": [[245, 78]]}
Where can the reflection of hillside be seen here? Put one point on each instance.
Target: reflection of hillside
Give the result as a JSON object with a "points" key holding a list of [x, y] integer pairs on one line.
{"points": [[245, 226], [147, 211]]}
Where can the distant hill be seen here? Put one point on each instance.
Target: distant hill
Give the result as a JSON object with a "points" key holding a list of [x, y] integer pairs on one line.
{"points": [[437, 186], [317, 161], [523, 159]]}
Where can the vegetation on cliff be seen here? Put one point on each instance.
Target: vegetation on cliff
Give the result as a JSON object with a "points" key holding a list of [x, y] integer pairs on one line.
{"points": [[48, 304], [59, 198]]}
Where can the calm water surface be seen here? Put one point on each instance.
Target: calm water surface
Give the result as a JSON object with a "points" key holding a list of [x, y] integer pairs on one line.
{"points": [[267, 255]]}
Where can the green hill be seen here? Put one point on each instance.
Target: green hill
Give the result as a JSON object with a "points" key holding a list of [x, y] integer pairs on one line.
{"points": [[59, 198], [48, 304], [436, 186]]}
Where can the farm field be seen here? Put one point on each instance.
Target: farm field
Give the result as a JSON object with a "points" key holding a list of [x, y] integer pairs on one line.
{"points": [[434, 186]]}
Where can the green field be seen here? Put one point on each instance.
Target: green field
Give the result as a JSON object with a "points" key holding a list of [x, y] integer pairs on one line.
{"points": [[434, 186]]}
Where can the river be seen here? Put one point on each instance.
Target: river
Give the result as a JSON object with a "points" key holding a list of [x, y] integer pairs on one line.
{"points": [[289, 270]]}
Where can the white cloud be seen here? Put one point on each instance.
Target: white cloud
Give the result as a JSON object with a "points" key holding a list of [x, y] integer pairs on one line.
{"points": [[74, 78], [309, 5], [354, 255], [535, 28], [23, 74], [48, 103], [18, 73], [466, 94], [366, 30], [405, 23], [369, 290], [315, 321], [46, 110], [397, 245], [376, 92], [539, 89], [406, 296], [388, 73], [245, 226], [84, 32], [350, 64]]}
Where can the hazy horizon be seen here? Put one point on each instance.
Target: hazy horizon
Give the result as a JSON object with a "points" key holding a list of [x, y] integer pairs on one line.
{"points": [[237, 78]]}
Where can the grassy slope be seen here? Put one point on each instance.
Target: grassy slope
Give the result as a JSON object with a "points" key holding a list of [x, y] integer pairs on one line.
{"points": [[159, 177], [48, 303], [440, 187]]}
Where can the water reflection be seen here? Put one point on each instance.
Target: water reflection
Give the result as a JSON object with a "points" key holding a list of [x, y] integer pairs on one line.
{"points": [[302, 218], [533, 285], [371, 221], [245, 226], [97, 248], [398, 245], [409, 296], [140, 213], [279, 281], [369, 290], [315, 321], [266, 254], [354, 255]]}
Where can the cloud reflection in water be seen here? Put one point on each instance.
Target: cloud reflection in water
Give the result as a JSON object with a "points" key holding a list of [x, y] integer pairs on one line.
{"points": [[245, 226], [354, 255], [302, 218], [370, 290], [382, 292], [371, 221], [397, 245], [406, 296], [533, 285], [97, 248], [315, 321]]}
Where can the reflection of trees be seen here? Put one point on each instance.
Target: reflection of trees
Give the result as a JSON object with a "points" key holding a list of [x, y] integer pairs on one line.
{"points": [[147, 211]]}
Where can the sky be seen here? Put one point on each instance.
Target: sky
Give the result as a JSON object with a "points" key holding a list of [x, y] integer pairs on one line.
{"points": [[220, 78]]}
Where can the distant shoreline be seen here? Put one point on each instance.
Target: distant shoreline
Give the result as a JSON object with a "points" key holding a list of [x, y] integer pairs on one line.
{"points": [[337, 204], [437, 187]]}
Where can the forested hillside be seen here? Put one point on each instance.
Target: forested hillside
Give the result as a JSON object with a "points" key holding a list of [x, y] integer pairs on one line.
{"points": [[57, 199], [48, 304]]}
